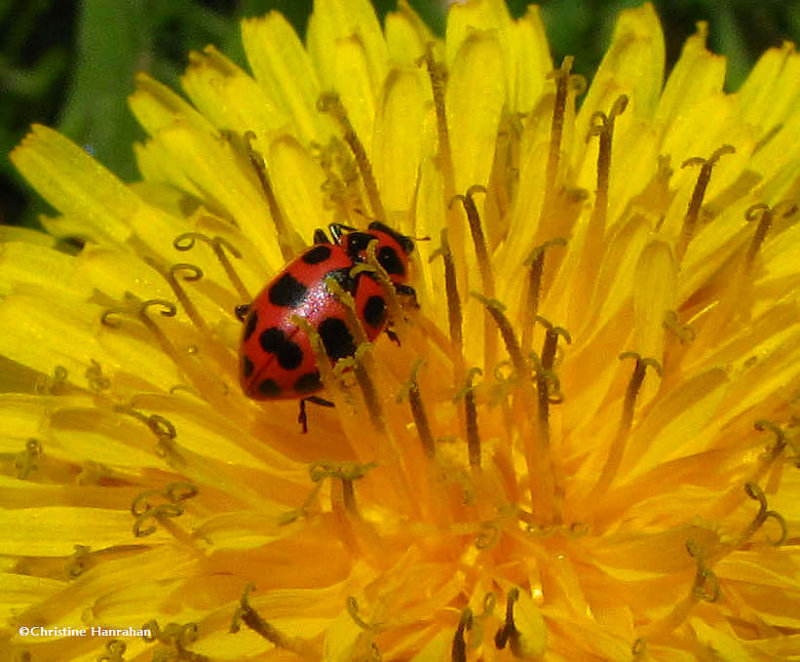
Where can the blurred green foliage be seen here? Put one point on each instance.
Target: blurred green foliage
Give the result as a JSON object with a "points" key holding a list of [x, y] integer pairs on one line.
{"points": [[70, 64]]}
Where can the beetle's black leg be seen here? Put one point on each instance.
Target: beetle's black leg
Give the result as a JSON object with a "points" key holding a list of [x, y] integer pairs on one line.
{"points": [[407, 291], [302, 417], [320, 237], [393, 336], [337, 230], [241, 311]]}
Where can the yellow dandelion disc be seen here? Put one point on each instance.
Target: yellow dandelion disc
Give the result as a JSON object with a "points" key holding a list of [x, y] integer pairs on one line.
{"points": [[585, 444]]}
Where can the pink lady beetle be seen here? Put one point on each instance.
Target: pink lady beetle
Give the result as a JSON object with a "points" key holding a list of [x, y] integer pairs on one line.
{"points": [[276, 360]]}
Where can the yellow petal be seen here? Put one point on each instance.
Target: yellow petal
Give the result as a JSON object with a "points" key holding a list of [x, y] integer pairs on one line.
{"points": [[532, 61], [677, 425], [719, 643], [769, 95], [231, 99], [357, 91], [283, 69], [398, 142], [653, 296], [633, 65], [156, 107], [297, 180], [698, 75], [406, 35], [55, 531], [532, 638], [75, 184], [475, 97], [335, 21]]}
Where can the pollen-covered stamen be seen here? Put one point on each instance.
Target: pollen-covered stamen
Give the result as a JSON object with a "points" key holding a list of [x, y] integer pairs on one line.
{"points": [[684, 332], [764, 215], [76, 565], [706, 584], [368, 389], [162, 428], [535, 263], [754, 491], [411, 390], [347, 472], [478, 625], [359, 361], [454, 314], [364, 649], [346, 299], [699, 192], [482, 256], [176, 636], [563, 81], [436, 75], [617, 449], [207, 384], [561, 77], [732, 499], [323, 361], [478, 237], [330, 103], [115, 651], [373, 266], [782, 439], [288, 240], [705, 587], [144, 511], [137, 308], [489, 536], [245, 613], [545, 371], [458, 649], [352, 609], [495, 309], [186, 241], [51, 385], [156, 515], [302, 510], [26, 461], [603, 128], [508, 632], [96, 379], [540, 462], [471, 417], [164, 431], [193, 274]]}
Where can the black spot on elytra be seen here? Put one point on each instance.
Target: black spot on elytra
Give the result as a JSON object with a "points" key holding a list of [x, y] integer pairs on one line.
{"points": [[357, 243], [317, 254], [389, 260], [247, 367], [406, 243], [287, 292], [274, 341], [374, 311], [308, 383], [337, 338], [269, 389], [252, 322]]}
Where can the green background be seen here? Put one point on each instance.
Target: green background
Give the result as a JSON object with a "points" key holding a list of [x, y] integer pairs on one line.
{"points": [[71, 64]]}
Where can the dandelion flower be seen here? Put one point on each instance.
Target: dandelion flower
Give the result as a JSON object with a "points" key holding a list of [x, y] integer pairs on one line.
{"points": [[585, 445]]}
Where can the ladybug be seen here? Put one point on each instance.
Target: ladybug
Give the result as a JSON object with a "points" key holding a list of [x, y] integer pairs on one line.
{"points": [[276, 360]]}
